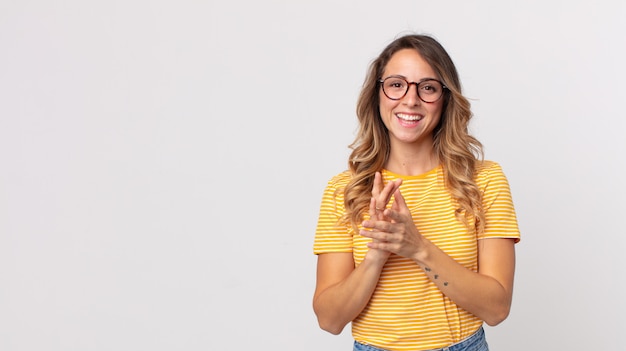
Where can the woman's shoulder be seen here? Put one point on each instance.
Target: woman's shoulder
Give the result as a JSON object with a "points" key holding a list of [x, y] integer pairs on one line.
{"points": [[340, 180], [489, 170], [487, 166]]}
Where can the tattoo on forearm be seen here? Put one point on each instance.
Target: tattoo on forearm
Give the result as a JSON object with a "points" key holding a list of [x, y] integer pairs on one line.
{"points": [[436, 276]]}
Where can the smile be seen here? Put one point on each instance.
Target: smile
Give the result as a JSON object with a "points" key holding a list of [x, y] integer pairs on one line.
{"points": [[410, 118]]}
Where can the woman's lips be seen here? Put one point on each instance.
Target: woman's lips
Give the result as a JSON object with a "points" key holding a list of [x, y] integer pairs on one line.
{"points": [[409, 119]]}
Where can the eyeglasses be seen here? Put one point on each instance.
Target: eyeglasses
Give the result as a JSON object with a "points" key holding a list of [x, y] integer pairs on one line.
{"points": [[429, 90]]}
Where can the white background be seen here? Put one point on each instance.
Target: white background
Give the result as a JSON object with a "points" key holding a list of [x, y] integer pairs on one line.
{"points": [[162, 163]]}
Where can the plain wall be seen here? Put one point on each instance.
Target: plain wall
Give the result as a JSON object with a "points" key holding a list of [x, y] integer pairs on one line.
{"points": [[162, 164]]}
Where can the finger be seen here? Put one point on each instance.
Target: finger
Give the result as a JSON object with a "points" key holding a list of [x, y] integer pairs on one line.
{"points": [[374, 234], [396, 186], [399, 211], [398, 201], [382, 245], [381, 226], [376, 190], [374, 213], [387, 193], [378, 184]]}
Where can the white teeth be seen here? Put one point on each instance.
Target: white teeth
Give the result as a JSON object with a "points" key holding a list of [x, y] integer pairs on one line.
{"points": [[409, 117]]}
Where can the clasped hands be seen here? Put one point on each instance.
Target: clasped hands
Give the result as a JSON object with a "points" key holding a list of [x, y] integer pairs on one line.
{"points": [[391, 229]]}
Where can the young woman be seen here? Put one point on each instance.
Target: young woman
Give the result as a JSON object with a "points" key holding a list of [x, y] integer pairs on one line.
{"points": [[415, 242]]}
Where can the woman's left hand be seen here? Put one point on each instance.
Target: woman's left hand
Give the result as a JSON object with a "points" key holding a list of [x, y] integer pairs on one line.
{"points": [[398, 234]]}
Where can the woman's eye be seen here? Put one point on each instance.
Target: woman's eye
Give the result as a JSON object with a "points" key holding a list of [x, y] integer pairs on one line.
{"points": [[429, 88], [397, 84]]}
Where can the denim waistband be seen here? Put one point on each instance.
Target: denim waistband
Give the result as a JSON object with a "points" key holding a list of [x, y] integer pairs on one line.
{"points": [[475, 342]]}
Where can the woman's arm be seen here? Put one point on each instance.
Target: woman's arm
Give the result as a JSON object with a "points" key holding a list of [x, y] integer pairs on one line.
{"points": [[487, 293], [342, 291]]}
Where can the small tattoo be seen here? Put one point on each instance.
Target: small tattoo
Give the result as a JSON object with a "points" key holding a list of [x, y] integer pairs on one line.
{"points": [[436, 276], [427, 269], [445, 283]]}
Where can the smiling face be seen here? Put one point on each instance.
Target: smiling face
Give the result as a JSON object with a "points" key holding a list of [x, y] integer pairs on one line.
{"points": [[409, 120]]}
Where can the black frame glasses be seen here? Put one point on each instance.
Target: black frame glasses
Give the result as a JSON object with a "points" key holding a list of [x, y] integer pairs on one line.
{"points": [[428, 90]]}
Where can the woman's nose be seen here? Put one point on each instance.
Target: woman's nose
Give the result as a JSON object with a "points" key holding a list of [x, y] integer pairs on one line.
{"points": [[412, 96]]}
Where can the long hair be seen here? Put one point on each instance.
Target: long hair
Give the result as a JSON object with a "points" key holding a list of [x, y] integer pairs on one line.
{"points": [[457, 151]]}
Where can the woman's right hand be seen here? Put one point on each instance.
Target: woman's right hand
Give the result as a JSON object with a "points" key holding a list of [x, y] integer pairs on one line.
{"points": [[381, 195]]}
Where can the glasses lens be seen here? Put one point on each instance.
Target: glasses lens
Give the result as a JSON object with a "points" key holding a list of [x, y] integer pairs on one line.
{"points": [[395, 88], [429, 90]]}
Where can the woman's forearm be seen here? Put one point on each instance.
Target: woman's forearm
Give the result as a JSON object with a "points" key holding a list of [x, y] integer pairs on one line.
{"points": [[337, 300], [487, 293]]}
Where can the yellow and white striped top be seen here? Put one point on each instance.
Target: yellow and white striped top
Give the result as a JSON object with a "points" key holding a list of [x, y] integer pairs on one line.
{"points": [[407, 311]]}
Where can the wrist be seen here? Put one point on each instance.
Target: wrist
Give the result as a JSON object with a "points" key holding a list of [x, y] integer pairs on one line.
{"points": [[422, 254], [376, 257]]}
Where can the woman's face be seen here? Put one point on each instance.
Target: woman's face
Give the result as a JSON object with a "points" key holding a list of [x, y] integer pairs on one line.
{"points": [[409, 120]]}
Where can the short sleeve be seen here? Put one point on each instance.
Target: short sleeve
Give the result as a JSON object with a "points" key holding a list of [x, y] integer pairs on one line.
{"points": [[332, 235], [500, 217]]}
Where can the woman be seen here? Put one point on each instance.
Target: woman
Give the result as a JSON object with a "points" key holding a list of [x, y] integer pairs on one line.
{"points": [[415, 242]]}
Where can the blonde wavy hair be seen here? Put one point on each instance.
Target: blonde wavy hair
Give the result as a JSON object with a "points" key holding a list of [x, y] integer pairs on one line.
{"points": [[458, 152]]}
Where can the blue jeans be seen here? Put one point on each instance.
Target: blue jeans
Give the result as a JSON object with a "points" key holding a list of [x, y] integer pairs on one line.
{"points": [[476, 342]]}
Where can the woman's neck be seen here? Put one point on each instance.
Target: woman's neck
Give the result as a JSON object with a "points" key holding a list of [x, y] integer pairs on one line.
{"points": [[412, 161]]}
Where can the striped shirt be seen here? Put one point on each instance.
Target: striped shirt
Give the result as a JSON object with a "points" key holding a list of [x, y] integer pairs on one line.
{"points": [[407, 311]]}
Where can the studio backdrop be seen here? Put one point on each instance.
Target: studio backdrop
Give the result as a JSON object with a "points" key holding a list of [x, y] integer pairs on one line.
{"points": [[162, 164]]}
